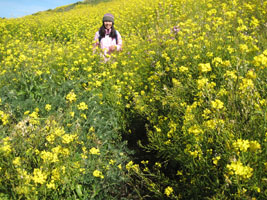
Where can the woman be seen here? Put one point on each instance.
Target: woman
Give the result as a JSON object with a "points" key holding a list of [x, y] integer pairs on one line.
{"points": [[107, 37]]}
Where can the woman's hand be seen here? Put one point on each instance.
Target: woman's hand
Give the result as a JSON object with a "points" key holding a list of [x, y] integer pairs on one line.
{"points": [[112, 48]]}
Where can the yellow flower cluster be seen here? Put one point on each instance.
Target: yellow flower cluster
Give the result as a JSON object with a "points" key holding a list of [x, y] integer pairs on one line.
{"points": [[131, 166], [4, 117], [238, 169], [17, 161], [68, 138], [261, 60], [82, 106], [244, 145], [34, 117], [216, 159], [168, 191], [71, 97], [6, 147], [246, 85], [94, 151], [47, 107], [39, 176], [98, 174], [49, 157], [204, 67], [217, 104]]}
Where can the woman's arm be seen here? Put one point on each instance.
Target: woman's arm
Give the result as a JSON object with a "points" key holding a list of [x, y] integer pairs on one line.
{"points": [[119, 42], [96, 39]]}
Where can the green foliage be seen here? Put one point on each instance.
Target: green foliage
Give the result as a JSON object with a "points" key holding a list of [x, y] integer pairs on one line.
{"points": [[41, 159]]}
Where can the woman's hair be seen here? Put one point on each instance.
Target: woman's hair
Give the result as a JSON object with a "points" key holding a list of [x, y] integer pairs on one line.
{"points": [[102, 32]]}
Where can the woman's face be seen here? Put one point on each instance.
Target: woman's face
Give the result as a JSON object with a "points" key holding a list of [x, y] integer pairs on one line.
{"points": [[108, 24]]}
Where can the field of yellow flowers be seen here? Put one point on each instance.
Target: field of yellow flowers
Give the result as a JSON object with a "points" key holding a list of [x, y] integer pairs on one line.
{"points": [[180, 113]]}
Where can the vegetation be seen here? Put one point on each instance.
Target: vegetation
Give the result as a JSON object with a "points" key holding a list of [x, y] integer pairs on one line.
{"points": [[180, 113]]}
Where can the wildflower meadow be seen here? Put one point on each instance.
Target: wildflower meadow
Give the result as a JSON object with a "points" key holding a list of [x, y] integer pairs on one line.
{"points": [[179, 113]]}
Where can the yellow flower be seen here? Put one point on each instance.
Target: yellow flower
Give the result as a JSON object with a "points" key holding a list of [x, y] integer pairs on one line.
{"points": [[144, 162], [16, 161], [84, 149], [175, 82], [243, 47], [26, 112], [194, 154], [112, 162], [201, 83], [183, 69], [206, 113], [50, 138], [195, 129], [48, 107], [51, 185], [72, 114], [4, 117], [222, 92], [217, 104], [230, 74], [212, 123], [49, 157], [98, 173], [157, 164], [59, 131], [217, 61], [142, 93], [71, 97], [254, 146], [39, 176], [94, 151], [261, 60], [216, 159], [6, 148], [168, 191], [210, 54], [55, 174], [65, 151], [57, 150], [98, 83], [254, 22], [238, 169], [246, 85], [63, 169], [92, 129], [251, 74], [129, 165], [204, 67], [179, 173], [82, 106], [67, 138], [241, 145], [34, 118], [83, 116]]}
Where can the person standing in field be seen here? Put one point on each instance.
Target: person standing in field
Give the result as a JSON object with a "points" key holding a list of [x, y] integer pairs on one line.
{"points": [[107, 38]]}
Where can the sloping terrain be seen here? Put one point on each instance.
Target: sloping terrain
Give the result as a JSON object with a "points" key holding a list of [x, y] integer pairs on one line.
{"points": [[179, 113]]}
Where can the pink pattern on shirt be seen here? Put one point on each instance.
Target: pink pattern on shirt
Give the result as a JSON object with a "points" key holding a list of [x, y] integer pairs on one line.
{"points": [[107, 41]]}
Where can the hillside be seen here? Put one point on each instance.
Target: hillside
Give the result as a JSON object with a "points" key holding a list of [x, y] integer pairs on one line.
{"points": [[179, 113], [73, 6]]}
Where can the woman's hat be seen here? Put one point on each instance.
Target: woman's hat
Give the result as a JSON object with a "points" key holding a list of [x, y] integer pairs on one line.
{"points": [[108, 17]]}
